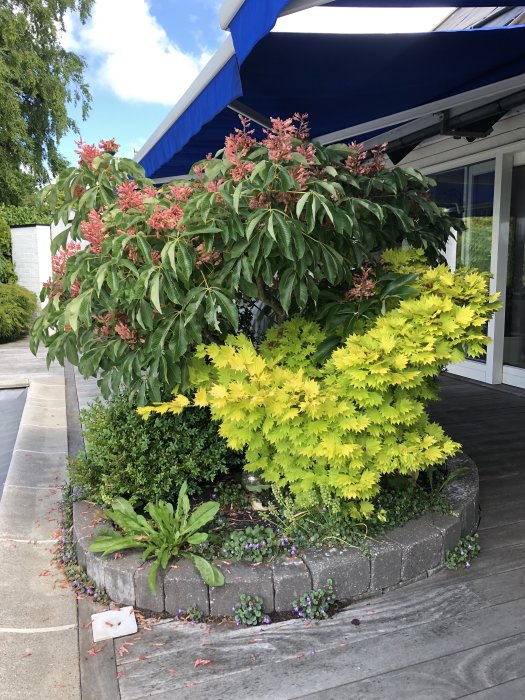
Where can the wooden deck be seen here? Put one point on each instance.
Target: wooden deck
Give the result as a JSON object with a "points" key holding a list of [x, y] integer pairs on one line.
{"points": [[460, 634]]}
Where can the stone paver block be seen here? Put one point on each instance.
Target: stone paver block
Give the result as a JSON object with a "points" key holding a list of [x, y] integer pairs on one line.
{"points": [[385, 564], [183, 587], [420, 577], [462, 494], [119, 577], [88, 520], [241, 577], [450, 528], [144, 598], [421, 545], [459, 461], [87, 524], [93, 563], [348, 568], [291, 578]]}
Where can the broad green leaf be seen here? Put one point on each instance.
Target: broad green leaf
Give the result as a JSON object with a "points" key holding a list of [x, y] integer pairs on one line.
{"points": [[270, 227], [254, 221], [201, 516], [101, 275], [210, 574], [237, 196], [228, 309], [183, 504], [197, 538], [152, 576], [286, 286], [185, 259], [155, 292], [300, 204]]}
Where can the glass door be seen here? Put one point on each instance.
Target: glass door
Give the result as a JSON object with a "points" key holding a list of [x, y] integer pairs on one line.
{"points": [[514, 343], [468, 194]]}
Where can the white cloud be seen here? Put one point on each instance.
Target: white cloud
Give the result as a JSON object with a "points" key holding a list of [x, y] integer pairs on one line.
{"points": [[335, 20], [129, 53]]}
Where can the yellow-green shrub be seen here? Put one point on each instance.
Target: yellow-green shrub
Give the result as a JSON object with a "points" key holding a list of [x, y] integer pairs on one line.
{"points": [[339, 427]]}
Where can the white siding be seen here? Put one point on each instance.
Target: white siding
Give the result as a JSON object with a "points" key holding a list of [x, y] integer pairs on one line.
{"points": [[31, 255]]}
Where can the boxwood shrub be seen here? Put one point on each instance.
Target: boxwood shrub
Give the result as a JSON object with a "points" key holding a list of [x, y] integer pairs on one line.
{"points": [[148, 460], [17, 306]]}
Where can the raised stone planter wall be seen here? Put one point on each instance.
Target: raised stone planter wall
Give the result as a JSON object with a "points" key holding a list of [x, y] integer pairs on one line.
{"points": [[404, 555]]}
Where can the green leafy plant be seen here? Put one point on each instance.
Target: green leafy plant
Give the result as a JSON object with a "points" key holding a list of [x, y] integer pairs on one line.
{"points": [[17, 307], [250, 611], [341, 425], [463, 553], [148, 460], [166, 534], [315, 605], [295, 226], [231, 495], [7, 270], [252, 544], [192, 614], [25, 214], [65, 554]]}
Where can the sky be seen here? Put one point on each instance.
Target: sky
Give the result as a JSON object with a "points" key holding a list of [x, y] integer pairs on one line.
{"points": [[142, 55]]}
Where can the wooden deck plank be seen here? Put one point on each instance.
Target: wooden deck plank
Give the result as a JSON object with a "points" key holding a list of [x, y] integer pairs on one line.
{"points": [[488, 608], [303, 669], [513, 690], [458, 634], [485, 667]]}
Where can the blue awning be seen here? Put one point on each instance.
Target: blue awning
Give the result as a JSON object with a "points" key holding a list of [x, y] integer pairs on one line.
{"points": [[254, 19], [339, 80]]}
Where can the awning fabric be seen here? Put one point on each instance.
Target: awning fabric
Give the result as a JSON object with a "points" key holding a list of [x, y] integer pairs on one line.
{"points": [[255, 19], [339, 80]]}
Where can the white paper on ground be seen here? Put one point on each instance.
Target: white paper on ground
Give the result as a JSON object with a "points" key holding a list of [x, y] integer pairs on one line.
{"points": [[113, 623]]}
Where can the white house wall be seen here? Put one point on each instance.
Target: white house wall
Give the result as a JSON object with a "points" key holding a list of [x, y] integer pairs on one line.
{"points": [[30, 247]]}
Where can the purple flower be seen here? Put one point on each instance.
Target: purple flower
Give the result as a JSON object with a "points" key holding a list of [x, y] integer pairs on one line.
{"points": [[293, 551], [467, 564], [266, 620]]}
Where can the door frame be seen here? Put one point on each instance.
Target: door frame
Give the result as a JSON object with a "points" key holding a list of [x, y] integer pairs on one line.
{"points": [[492, 371]]}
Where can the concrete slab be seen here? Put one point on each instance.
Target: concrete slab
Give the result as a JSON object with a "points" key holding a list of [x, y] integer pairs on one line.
{"points": [[28, 513], [48, 414], [30, 588], [45, 392], [41, 439], [40, 666], [36, 469]]}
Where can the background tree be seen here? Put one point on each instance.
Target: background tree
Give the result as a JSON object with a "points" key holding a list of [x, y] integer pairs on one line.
{"points": [[39, 79]]}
